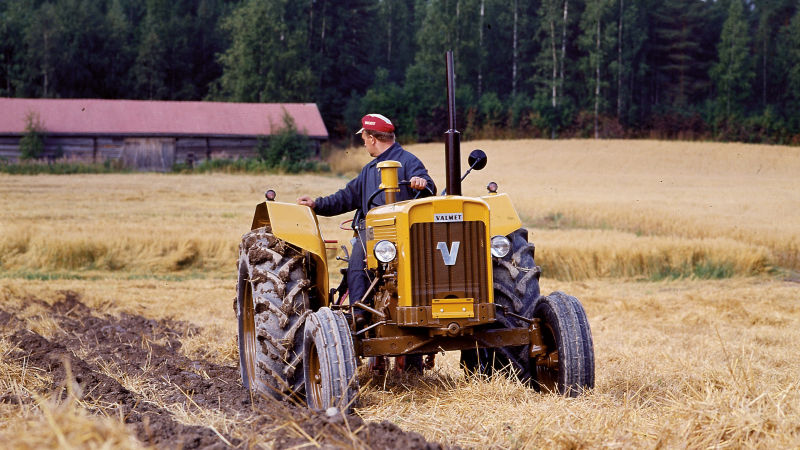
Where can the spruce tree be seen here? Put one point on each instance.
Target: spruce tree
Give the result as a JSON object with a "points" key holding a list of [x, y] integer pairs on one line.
{"points": [[629, 66], [733, 72], [678, 58], [791, 50], [779, 87], [31, 144], [343, 53], [15, 17]]}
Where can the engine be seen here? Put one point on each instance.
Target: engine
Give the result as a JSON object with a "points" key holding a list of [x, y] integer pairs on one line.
{"points": [[441, 269]]}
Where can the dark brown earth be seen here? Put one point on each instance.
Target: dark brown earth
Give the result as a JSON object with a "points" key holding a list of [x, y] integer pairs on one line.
{"points": [[138, 347]]}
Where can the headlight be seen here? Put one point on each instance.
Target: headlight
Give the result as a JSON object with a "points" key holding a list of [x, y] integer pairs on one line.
{"points": [[500, 246], [384, 251]]}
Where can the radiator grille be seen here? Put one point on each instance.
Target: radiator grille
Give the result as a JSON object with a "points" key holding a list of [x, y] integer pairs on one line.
{"points": [[388, 233], [432, 278]]}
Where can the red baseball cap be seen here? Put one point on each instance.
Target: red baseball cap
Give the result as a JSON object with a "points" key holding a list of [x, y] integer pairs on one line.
{"points": [[376, 122]]}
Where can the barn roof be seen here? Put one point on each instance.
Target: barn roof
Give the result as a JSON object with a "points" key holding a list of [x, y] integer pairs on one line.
{"points": [[164, 118]]}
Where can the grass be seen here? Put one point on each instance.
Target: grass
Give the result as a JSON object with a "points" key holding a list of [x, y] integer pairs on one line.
{"points": [[245, 165], [61, 167], [685, 256], [576, 254], [705, 270]]}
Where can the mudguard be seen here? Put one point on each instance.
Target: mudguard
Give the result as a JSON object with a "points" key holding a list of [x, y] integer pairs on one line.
{"points": [[297, 225], [504, 219]]}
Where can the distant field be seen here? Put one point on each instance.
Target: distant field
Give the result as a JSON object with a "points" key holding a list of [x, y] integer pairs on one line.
{"points": [[597, 209], [747, 194], [685, 256]]}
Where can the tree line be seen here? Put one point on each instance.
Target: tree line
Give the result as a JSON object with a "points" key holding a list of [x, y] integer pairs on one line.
{"points": [[691, 69]]}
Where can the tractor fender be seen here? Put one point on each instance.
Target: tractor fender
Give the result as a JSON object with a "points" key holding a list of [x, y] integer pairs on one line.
{"points": [[503, 218], [298, 226]]}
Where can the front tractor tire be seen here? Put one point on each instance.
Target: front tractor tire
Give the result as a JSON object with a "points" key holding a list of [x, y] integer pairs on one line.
{"points": [[567, 367], [329, 362], [271, 305]]}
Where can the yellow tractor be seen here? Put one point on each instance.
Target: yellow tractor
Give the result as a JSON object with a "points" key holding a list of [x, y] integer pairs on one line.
{"points": [[449, 273]]}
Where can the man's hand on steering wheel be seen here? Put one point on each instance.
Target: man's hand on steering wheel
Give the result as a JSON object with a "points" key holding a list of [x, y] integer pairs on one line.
{"points": [[421, 186], [417, 183]]}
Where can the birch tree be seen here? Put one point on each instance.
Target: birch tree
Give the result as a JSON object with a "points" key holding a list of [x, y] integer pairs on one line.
{"points": [[628, 66], [42, 42], [597, 40]]}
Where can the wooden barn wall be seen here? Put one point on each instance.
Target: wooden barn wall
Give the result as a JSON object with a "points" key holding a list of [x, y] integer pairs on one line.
{"points": [[90, 149], [150, 154], [198, 149], [9, 148], [145, 153]]}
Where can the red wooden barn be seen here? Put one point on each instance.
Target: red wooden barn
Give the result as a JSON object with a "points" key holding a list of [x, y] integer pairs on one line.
{"points": [[151, 135]]}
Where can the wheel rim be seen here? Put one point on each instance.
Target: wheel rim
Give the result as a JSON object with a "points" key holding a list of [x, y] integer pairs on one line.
{"points": [[249, 336], [547, 365], [315, 379]]}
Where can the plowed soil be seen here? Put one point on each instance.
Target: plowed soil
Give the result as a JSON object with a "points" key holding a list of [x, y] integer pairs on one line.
{"points": [[87, 347]]}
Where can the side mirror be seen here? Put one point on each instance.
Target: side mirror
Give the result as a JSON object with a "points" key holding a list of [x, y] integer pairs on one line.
{"points": [[477, 159]]}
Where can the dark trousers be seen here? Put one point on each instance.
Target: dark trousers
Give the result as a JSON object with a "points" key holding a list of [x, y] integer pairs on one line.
{"points": [[357, 279]]}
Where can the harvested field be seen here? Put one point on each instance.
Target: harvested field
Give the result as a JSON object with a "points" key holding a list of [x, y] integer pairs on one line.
{"points": [[707, 363], [116, 327], [129, 369]]}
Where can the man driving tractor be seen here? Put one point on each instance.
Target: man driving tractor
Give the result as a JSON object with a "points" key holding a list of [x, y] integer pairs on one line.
{"points": [[377, 131]]}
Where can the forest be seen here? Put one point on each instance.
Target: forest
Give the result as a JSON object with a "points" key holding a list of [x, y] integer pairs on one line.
{"points": [[726, 70]]}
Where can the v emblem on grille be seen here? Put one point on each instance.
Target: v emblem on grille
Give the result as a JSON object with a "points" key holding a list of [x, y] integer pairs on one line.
{"points": [[448, 255]]}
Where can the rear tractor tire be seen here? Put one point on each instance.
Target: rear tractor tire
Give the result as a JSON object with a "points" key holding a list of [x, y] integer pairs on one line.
{"points": [[271, 305], [516, 287], [329, 362]]}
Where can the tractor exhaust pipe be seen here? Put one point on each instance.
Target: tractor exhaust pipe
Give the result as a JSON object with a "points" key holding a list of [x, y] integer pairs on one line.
{"points": [[452, 140]]}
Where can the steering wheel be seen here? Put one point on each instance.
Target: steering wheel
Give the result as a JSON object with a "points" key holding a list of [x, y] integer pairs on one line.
{"points": [[371, 201]]}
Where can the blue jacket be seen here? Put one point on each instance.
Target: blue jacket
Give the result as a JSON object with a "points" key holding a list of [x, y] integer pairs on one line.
{"points": [[356, 193]]}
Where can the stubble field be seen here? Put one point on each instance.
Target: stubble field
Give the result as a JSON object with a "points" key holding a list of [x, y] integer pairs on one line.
{"points": [[116, 327]]}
